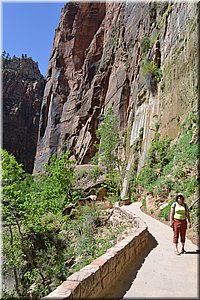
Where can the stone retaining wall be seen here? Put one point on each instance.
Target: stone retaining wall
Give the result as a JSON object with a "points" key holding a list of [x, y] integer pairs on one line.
{"points": [[95, 279]]}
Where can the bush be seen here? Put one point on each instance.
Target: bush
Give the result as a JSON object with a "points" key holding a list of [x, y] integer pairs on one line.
{"points": [[165, 212], [145, 44]]}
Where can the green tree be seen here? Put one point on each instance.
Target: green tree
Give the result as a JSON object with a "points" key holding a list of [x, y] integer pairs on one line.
{"points": [[60, 172], [4, 54], [12, 174], [107, 154], [107, 133], [30, 206]]}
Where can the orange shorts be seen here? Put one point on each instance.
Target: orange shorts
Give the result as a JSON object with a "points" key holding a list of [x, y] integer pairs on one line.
{"points": [[179, 227]]}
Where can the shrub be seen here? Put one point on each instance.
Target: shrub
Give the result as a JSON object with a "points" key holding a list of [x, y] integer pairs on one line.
{"points": [[145, 44], [165, 212]]}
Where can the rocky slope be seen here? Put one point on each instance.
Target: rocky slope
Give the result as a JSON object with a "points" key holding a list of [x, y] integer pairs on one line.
{"points": [[23, 88], [138, 57]]}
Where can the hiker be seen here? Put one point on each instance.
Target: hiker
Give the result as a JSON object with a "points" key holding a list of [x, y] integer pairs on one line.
{"points": [[178, 215]]}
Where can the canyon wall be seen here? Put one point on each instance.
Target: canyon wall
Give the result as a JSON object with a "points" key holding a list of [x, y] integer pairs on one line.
{"points": [[23, 88], [138, 57]]}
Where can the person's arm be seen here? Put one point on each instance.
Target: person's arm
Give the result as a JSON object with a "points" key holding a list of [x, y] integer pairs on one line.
{"points": [[188, 216], [172, 216]]}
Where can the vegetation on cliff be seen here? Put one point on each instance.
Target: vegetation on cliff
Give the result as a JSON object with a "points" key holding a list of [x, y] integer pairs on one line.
{"points": [[171, 167], [107, 155], [7, 59]]}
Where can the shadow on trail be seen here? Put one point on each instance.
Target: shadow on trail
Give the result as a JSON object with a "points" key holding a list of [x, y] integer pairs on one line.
{"points": [[125, 281], [193, 252]]}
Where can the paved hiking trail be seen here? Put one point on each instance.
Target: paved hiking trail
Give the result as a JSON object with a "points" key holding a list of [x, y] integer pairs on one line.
{"points": [[159, 272]]}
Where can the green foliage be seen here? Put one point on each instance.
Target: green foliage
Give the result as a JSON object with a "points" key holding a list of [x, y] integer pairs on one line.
{"points": [[60, 174], [95, 173], [84, 228], [48, 192], [125, 137], [165, 212], [191, 186], [107, 154], [113, 184], [41, 246], [155, 37], [157, 159], [12, 174], [144, 204], [145, 44], [170, 168], [165, 15], [6, 56], [104, 64], [132, 192], [88, 240], [159, 153], [107, 133], [167, 167], [146, 176], [29, 206], [82, 178], [158, 74], [136, 146], [88, 174], [148, 68], [141, 131]]}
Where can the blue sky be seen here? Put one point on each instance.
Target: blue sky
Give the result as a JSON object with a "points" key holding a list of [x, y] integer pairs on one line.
{"points": [[29, 28]]}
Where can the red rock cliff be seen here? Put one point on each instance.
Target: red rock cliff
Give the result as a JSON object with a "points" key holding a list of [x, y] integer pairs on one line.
{"points": [[23, 88], [98, 60], [67, 109]]}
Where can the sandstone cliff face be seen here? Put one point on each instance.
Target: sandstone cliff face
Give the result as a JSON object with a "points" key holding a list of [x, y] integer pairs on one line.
{"points": [[23, 88], [98, 61], [67, 111]]}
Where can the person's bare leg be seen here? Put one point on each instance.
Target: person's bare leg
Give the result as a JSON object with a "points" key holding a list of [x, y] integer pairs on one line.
{"points": [[182, 234], [183, 248], [176, 248]]}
